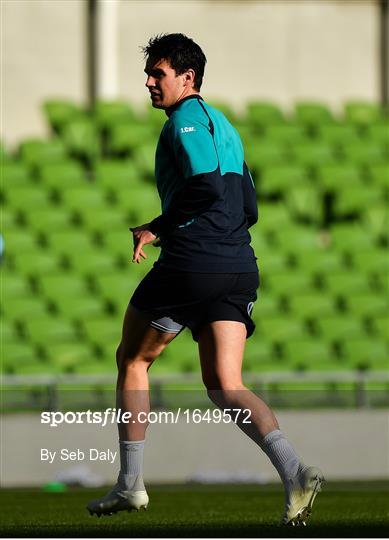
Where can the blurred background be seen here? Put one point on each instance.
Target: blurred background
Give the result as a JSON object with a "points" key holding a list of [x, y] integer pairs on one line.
{"points": [[306, 85]]}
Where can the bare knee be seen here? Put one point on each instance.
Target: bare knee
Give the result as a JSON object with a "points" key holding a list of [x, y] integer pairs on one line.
{"points": [[221, 387], [142, 359]]}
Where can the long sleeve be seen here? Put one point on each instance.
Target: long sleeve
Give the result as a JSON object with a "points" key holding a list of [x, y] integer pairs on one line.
{"points": [[249, 197]]}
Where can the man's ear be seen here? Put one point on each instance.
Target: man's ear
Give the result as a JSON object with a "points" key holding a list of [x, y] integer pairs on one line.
{"points": [[190, 77]]}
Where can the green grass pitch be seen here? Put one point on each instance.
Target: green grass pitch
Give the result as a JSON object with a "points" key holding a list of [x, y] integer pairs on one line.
{"points": [[341, 510]]}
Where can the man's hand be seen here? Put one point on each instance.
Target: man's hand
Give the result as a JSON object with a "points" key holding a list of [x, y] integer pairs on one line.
{"points": [[141, 236]]}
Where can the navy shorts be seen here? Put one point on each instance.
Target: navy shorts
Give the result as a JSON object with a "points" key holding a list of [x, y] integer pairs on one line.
{"points": [[175, 299]]}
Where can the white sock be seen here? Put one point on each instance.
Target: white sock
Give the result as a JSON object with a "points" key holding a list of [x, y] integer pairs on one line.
{"points": [[131, 465], [282, 455]]}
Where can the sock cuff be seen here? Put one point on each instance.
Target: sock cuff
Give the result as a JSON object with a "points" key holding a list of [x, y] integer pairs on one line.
{"points": [[132, 445], [273, 437]]}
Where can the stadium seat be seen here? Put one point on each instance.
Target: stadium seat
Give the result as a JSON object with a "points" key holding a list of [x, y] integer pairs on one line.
{"points": [[379, 175], [337, 134], [102, 330], [36, 152], [68, 356], [118, 242], [259, 355], [289, 281], [340, 176], [308, 354], [14, 286], [79, 307], [46, 220], [365, 353], [109, 113], [298, 239], [17, 355], [273, 216], [69, 242], [346, 283], [305, 203], [264, 153], [273, 263], [115, 175], [351, 237], [14, 174], [379, 133], [311, 305], [371, 260], [313, 154], [81, 139], [41, 262], [311, 113], [286, 133], [62, 285], [117, 288], [104, 219], [261, 114], [363, 153], [125, 138], [144, 158], [62, 175], [18, 309], [362, 113], [282, 328], [381, 326], [320, 262], [339, 328], [90, 262], [25, 198], [367, 304], [46, 331], [277, 179], [20, 241], [59, 112], [143, 204], [77, 199], [376, 220]]}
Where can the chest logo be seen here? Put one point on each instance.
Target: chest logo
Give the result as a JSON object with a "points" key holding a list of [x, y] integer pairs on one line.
{"points": [[187, 129]]}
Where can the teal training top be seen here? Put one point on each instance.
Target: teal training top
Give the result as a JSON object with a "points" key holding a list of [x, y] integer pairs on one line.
{"points": [[207, 194]]}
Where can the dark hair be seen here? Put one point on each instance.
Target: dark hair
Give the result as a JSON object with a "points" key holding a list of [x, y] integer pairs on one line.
{"points": [[181, 52]]}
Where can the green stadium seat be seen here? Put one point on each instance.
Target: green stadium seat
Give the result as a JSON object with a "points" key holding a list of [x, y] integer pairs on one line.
{"points": [[93, 367], [9, 218], [337, 177], [379, 175], [81, 139], [117, 287], [144, 159], [14, 174], [68, 356], [180, 356], [108, 113], [91, 262], [281, 328], [320, 262], [263, 153], [367, 305], [305, 203], [104, 219], [69, 243], [362, 113], [286, 133], [346, 283], [288, 282], [19, 309], [381, 326], [273, 216], [143, 204], [46, 331], [14, 286], [41, 262], [17, 354], [337, 134], [102, 331], [77, 199], [262, 113], [308, 354], [351, 237], [258, 355], [48, 219], [339, 327], [363, 153], [40, 367], [59, 286], [119, 243], [273, 263], [376, 220], [276, 179], [313, 154], [366, 353], [355, 200], [379, 133], [36, 152], [59, 112], [79, 307], [312, 113], [266, 305], [298, 239], [8, 331], [311, 305], [125, 138], [371, 260], [62, 175], [25, 198], [115, 175]]}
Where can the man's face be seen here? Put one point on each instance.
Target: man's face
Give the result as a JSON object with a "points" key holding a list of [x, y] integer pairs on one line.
{"points": [[165, 87]]}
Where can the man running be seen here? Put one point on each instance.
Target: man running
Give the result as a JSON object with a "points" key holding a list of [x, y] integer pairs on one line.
{"points": [[205, 279]]}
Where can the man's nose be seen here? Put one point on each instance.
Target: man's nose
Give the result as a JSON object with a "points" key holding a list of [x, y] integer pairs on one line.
{"points": [[150, 81]]}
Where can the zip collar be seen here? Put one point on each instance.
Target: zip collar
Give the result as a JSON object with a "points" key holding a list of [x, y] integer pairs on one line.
{"points": [[171, 109]]}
